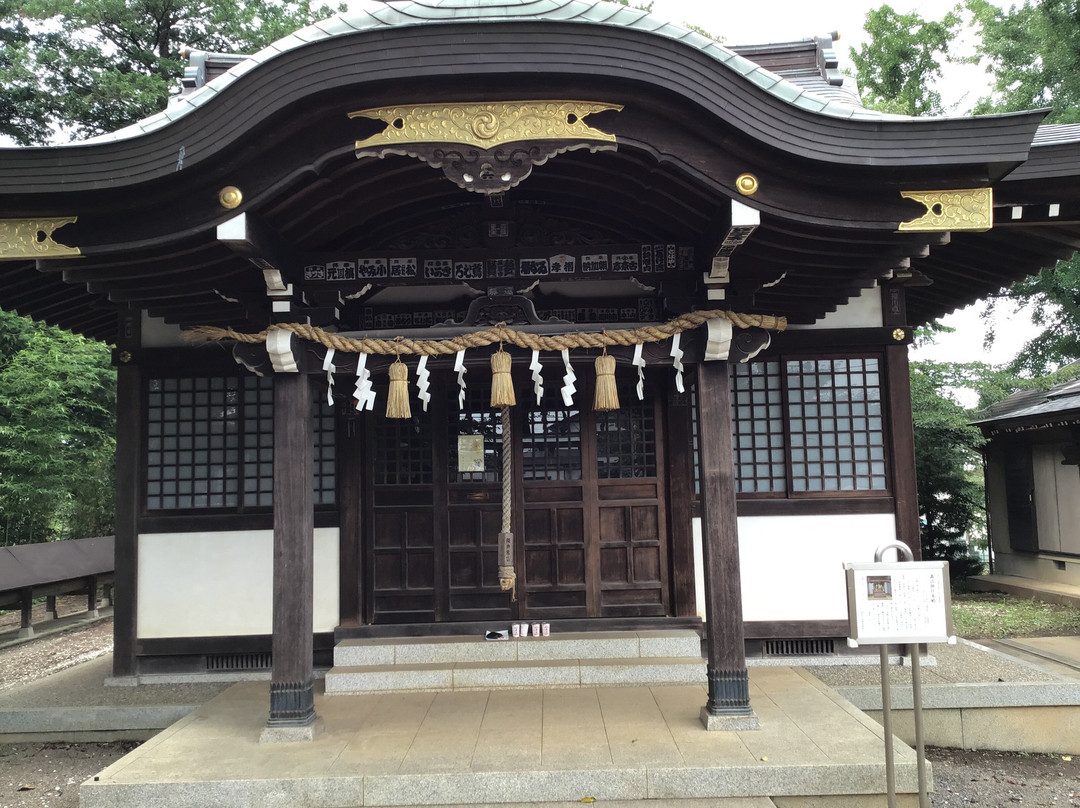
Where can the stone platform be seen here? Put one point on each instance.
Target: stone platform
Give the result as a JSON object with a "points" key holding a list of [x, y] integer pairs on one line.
{"points": [[514, 747]]}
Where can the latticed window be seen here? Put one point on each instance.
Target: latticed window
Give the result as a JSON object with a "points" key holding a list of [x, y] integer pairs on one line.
{"points": [[210, 444], [626, 440], [809, 426], [477, 420], [551, 445], [403, 451]]}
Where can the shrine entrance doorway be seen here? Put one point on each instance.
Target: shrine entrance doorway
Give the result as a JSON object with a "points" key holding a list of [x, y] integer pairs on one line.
{"points": [[590, 509]]}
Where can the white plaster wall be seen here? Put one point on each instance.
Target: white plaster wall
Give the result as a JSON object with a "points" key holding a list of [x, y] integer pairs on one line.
{"points": [[792, 566], [220, 584], [863, 311]]}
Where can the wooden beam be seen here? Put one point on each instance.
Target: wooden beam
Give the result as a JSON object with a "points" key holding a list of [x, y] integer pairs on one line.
{"points": [[252, 238], [729, 695]]}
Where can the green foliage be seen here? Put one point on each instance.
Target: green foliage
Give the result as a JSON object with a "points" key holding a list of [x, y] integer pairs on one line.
{"points": [[1053, 297], [93, 66], [987, 615], [1033, 53], [948, 465], [901, 59], [57, 422]]}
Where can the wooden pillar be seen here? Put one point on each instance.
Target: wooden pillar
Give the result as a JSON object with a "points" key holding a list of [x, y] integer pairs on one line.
{"points": [[350, 454], [50, 608], [26, 612], [129, 493], [728, 706], [292, 698], [904, 485], [91, 596]]}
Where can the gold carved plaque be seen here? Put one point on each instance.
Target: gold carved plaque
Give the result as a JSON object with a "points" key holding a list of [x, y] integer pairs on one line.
{"points": [[485, 125], [971, 209], [32, 238]]}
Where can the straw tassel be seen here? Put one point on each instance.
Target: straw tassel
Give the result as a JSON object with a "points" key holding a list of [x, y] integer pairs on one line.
{"points": [[397, 400], [502, 385], [607, 395]]}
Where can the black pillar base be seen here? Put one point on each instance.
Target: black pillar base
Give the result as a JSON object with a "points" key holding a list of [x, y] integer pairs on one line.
{"points": [[729, 693], [292, 704], [728, 707]]}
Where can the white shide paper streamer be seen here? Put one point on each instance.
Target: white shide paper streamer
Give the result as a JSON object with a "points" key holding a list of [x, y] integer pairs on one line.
{"points": [[423, 381], [639, 362], [328, 366], [364, 395], [677, 355], [568, 389], [538, 379], [459, 367]]}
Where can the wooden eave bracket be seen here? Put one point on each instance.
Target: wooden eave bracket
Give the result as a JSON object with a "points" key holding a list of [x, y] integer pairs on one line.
{"points": [[32, 238], [248, 236], [744, 221]]}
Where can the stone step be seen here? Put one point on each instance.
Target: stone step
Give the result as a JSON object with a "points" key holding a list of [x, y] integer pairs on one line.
{"points": [[570, 646], [543, 673]]}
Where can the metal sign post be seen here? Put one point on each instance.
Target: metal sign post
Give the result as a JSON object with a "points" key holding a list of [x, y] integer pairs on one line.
{"points": [[907, 602]]}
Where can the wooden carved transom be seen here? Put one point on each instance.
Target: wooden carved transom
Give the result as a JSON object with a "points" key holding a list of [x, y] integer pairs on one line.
{"points": [[488, 148]]}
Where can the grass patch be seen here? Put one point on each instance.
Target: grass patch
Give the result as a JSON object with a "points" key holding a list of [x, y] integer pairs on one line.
{"points": [[992, 615]]}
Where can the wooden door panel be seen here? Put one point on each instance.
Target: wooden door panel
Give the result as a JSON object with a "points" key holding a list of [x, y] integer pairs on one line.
{"points": [[473, 563]]}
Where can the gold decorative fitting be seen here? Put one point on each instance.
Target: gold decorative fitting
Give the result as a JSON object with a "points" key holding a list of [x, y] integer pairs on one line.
{"points": [[485, 125], [746, 184], [230, 197], [971, 209], [32, 238], [125, 357], [899, 334]]}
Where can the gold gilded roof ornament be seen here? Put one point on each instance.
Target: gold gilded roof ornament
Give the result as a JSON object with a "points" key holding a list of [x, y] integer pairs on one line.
{"points": [[966, 209], [485, 125], [230, 197], [486, 147], [747, 184], [32, 238]]}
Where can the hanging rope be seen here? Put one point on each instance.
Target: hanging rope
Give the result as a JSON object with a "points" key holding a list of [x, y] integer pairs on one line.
{"points": [[507, 576], [480, 339]]}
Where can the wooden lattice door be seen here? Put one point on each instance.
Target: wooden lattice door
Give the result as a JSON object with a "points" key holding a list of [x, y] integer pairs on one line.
{"points": [[593, 507]]}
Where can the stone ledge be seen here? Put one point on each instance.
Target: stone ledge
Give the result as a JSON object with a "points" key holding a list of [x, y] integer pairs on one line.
{"points": [[980, 694]]}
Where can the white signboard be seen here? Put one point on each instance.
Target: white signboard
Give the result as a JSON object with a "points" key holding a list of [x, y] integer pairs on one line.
{"points": [[903, 603]]}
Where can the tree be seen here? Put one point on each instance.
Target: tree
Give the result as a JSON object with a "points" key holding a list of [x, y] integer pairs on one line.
{"points": [[93, 66], [901, 60], [57, 422], [1033, 53], [948, 465], [1053, 297]]}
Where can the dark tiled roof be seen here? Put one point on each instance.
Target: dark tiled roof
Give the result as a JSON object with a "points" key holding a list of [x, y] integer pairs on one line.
{"points": [[1036, 405]]}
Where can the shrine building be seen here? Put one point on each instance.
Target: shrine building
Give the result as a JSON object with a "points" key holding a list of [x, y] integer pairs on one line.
{"points": [[362, 284]]}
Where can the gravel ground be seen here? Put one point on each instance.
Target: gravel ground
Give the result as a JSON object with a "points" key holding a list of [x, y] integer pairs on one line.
{"points": [[48, 774]]}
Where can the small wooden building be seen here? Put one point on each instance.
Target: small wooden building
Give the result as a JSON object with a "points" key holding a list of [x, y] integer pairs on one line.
{"points": [[1033, 485], [571, 178]]}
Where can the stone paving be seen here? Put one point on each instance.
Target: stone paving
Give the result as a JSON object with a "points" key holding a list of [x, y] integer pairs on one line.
{"points": [[625, 743]]}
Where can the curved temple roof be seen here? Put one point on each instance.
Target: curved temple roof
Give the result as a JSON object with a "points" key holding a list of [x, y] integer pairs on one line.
{"points": [[374, 15], [697, 115]]}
